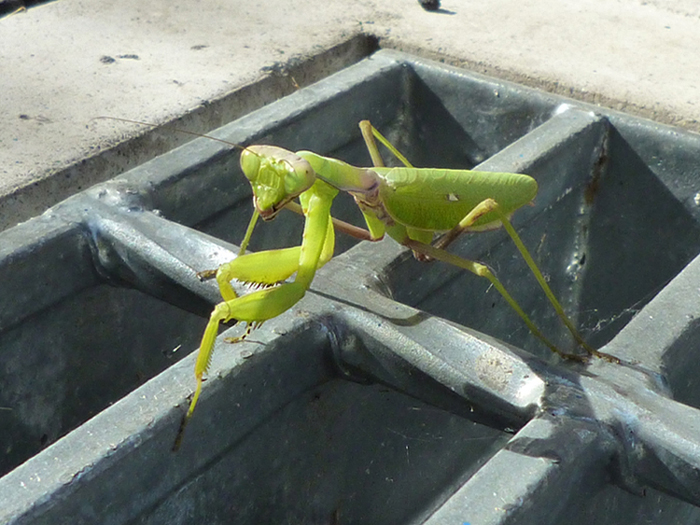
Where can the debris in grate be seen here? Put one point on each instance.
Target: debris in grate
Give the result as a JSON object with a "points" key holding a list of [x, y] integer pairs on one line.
{"points": [[430, 5]]}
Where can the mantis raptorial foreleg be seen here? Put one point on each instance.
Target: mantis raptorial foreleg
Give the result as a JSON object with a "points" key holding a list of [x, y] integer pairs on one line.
{"points": [[268, 267]]}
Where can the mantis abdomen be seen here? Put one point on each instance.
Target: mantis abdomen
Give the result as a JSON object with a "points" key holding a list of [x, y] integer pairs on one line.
{"points": [[438, 199]]}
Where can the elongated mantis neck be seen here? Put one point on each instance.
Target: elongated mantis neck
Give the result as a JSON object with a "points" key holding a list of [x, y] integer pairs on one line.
{"points": [[341, 175]]}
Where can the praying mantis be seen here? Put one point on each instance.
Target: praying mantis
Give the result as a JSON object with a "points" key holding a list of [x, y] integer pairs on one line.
{"points": [[409, 204]]}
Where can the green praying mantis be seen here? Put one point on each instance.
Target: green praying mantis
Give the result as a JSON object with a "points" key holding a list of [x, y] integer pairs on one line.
{"points": [[409, 204]]}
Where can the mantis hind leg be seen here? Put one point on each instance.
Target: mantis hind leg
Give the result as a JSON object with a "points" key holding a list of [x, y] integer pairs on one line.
{"points": [[489, 205], [545, 287], [483, 271]]}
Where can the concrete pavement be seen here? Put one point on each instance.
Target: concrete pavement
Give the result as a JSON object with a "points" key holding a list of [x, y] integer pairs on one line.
{"points": [[197, 65]]}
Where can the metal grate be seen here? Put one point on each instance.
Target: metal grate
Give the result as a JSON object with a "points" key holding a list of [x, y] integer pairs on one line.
{"points": [[368, 402]]}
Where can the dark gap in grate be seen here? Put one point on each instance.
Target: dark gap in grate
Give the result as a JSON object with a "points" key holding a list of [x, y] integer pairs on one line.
{"points": [[614, 222]]}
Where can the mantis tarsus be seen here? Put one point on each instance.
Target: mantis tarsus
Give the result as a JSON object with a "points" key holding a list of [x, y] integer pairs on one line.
{"points": [[409, 204]]}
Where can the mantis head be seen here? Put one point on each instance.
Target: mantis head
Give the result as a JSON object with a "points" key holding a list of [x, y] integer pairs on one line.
{"points": [[277, 176]]}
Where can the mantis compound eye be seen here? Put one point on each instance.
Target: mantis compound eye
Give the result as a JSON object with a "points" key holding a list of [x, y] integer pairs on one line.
{"points": [[300, 177], [250, 163]]}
